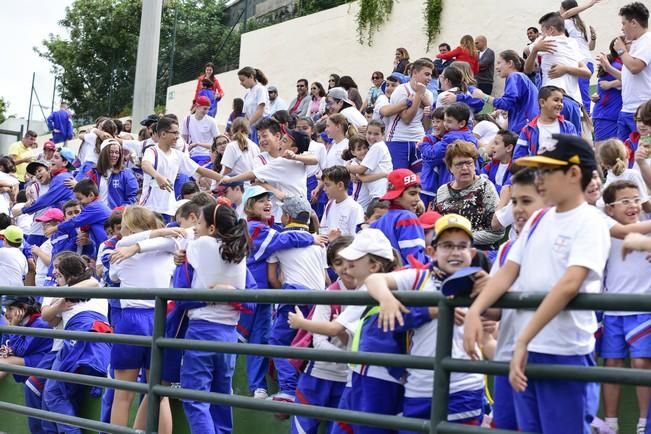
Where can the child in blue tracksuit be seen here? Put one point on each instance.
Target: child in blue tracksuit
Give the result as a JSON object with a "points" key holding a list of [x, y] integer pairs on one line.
{"points": [[82, 357], [208, 92], [609, 103], [265, 241], [457, 116], [60, 124], [26, 350], [498, 170], [93, 215], [400, 224], [121, 184], [429, 174], [535, 137]]}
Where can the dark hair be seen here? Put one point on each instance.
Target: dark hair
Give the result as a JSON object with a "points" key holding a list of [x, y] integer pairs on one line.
{"points": [[335, 246], [104, 160], [439, 113], [347, 82], [238, 105], [546, 92], [512, 56], [189, 187], [554, 20], [31, 133], [21, 197], [70, 204], [164, 125], [206, 84], [269, 124], [524, 176], [643, 113], [203, 199], [386, 265], [322, 91], [636, 11], [376, 123], [5, 221], [374, 204], [609, 194], [611, 56], [250, 72], [458, 111], [118, 125], [282, 116], [446, 45], [353, 143], [108, 126], [580, 25], [393, 79], [337, 78], [311, 123], [420, 64], [455, 76], [303, 80], [114, 219], [143, 134], [210, 64], [7, 165], [186, 209], [337, 174], [535, 29], [74, 269], [232, 231], [508, 137], [86, 187]]}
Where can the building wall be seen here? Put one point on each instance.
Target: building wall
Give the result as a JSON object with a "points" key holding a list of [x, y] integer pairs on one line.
{"points": [[317, 45]]}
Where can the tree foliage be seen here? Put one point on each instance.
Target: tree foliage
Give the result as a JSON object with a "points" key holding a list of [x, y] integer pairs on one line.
{"points": [[3, 109], [96, 63]]}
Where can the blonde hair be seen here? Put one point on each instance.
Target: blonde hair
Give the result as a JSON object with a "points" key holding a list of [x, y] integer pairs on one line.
{"points": [[340, 120], [467, 77], [614, 155], [139, 219], [468, 43], [240, 133]]}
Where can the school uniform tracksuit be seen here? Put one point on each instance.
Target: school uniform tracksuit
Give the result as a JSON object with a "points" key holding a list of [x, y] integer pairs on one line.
{"points": [[122, 186], [92, 216], [520, 100], [528, 141], [607, 108], [404, 231]]}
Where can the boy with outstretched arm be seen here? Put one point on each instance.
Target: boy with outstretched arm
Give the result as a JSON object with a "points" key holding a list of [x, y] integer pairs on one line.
{"points": [[562, 251]]}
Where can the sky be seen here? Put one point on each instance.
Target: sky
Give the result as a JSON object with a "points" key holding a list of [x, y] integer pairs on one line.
{"points": [[23, 25]]}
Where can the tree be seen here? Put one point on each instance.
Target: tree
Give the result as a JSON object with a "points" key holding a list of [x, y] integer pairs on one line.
{"points": [[3, 109], [96, 63]]}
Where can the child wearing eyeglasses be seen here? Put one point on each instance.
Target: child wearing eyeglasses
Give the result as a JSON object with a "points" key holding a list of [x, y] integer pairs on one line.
{"points": [[625, 334]]}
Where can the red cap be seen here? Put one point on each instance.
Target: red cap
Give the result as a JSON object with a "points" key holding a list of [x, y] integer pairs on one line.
{"points": [[51, 214], [202, 101], [50, 145], [428, 219], [399, 181]]}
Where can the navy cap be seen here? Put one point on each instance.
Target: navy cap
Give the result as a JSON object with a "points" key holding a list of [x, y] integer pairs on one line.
{"points": [[460, 283], [8, 300]]}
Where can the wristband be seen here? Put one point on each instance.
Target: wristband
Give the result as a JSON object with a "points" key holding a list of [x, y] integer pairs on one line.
{"points": [[620, 52], [485, 98], [409, 103]]}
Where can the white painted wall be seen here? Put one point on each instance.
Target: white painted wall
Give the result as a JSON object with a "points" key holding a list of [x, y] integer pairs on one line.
{"points": [[317, 45]]}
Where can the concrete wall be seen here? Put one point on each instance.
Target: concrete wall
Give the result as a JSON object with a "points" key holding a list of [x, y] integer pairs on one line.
{"points": [[317, 45]]}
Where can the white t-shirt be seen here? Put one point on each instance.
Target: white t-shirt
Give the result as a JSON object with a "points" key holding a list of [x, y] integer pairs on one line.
{"points": [[237, 160], [636, 88], [345, 216], [327, 370], [566, 52], [13, 266], [423, 343], [169, 165], [37, 190], [24, 221], [253, 98], [578, 237], [202, 130], [354, 116], [104, 188], [5, 199], [545, 140], [485, 131], [304, 266], [41, 267], [377, 160], [574, 33], [501, 172], [87, 149], [288, 176], [629, 276], [380, 102], [398, 130], [319, 151], [210, 269], [333, 157]]}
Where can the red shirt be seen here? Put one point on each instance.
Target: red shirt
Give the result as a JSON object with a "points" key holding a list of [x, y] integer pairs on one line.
{"points": [[462, 55], [219, 93]]}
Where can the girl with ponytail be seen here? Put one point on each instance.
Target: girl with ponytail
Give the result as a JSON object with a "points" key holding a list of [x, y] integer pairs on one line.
{"points": [[241, 151], [520, 98], [256, 99], [614, 157]]}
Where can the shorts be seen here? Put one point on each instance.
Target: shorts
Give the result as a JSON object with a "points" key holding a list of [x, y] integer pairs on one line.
{"points": [[605, 129], [465, 407], [405, 155], [131, 321], [626, 335], [625, 125]]}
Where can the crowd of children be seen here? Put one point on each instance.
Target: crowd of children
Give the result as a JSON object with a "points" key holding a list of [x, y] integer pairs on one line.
{"points": [[423, 189]]}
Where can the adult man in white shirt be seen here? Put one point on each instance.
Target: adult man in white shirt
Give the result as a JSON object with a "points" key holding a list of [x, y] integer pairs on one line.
{"points": [[199, 130], [636, 71], [275, 102]]}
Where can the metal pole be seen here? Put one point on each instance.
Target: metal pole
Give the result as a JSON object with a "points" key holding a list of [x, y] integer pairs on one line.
{"points": [[144, 91], [156, 365], [31, 94], [173, 49], [442, 375]]}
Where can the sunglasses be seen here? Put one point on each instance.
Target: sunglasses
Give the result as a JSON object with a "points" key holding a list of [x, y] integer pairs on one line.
{"points": [[375, 77], [331, 80]]}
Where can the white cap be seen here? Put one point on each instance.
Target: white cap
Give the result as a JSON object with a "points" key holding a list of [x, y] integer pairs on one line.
{"points": [[368, 241], [108, 142]]}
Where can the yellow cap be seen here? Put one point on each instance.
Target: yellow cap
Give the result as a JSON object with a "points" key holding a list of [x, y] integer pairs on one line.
{"points": [[452, 221], [13, 234]]}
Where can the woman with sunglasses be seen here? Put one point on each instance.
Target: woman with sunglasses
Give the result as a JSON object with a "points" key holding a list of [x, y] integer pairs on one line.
{"points": [[333, 81], [317, 105], [377, 78]]}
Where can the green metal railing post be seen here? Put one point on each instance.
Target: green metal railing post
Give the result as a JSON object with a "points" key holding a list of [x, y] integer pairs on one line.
{"points": [[445, 329], [153, 407]]}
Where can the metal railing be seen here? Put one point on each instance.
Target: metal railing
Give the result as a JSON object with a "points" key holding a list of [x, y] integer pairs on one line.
{"points": [[443, 364]]}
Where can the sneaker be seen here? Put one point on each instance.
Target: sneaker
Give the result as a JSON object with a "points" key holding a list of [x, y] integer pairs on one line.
{"points": [[641, 429], [282, 397], [260, 394]]}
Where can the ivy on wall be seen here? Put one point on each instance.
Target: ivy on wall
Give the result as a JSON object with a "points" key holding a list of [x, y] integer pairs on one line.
{"points": [[374, 13]]}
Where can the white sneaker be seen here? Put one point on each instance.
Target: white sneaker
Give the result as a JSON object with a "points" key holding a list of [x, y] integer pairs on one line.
{"points": [[260, 394], [641, 429]]}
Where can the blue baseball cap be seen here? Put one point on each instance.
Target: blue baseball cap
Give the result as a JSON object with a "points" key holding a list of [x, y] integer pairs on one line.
{"points": [[67, 155], [254, 191], [460, 283]]}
